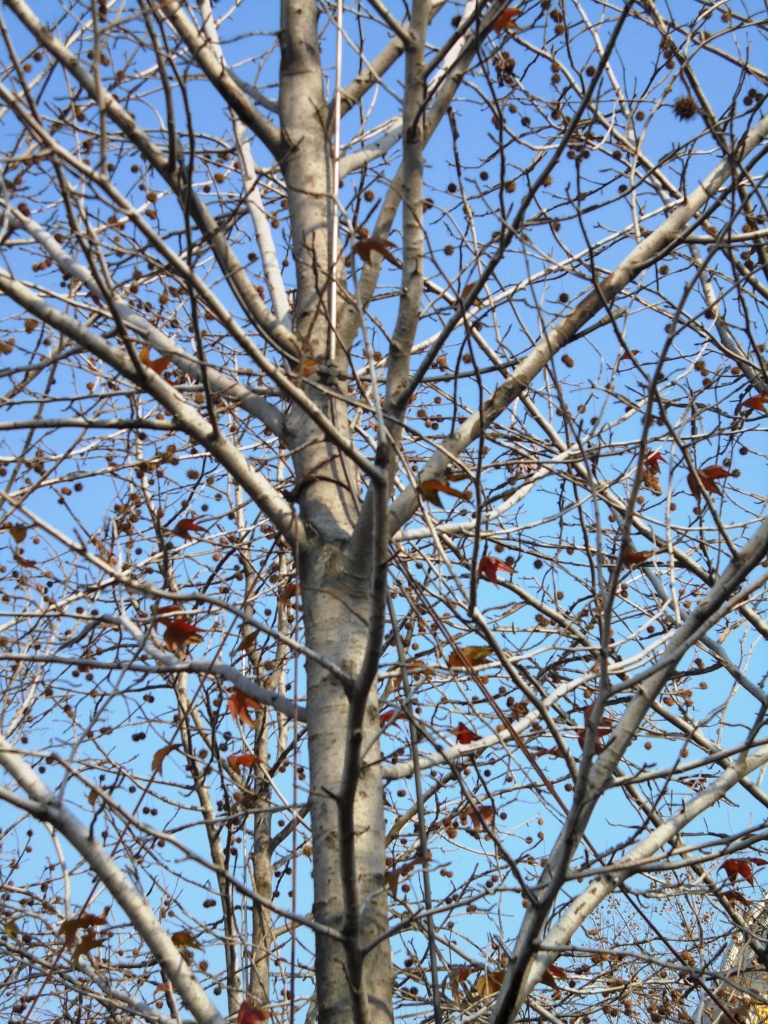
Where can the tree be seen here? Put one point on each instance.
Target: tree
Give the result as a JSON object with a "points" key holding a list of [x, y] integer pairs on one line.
{"points": [[383, 481]]}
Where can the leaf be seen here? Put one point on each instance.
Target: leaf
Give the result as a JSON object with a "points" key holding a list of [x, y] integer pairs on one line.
{"points": [[187, 526], [239, 704], [250, 1013], [158, 365], [388, 716], [366, 246], [70, 927], [756, 402], [738, 867], [90, 940], [466, 657], [653, 460], [185, 940], [464, 734], [287, 594], [630, 354], [181, 633], [17, 531], [735, 897], [706, 480], [160, 756], [551, 973], [632, 557], [246, 643], [489, 566], [242, 760], [600, 732], [432, 489], [506, 21], [481, 814], [456, 975], [25, 563], [488, 984]]}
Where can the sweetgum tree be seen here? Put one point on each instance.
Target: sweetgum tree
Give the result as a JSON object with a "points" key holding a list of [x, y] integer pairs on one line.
{"points": [[383, 478]]}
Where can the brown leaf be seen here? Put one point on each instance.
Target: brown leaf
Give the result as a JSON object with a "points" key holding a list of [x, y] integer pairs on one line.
{"points": [[488, 568], [181, 633], [239, 705], [17, 531], [466, 657], [432, 489], [160, 756], [366, 246], [488, 984], [70, 927], [185, 940], [187, 526], [506, 21], [706, 480]]}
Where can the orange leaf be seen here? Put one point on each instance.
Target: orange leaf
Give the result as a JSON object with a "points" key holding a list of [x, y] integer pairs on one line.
{"points": [[286, 595], [242, 760], [489, 566], [551, 973], [482, 814], [632, 557], [506, 21], [628, 355], [707, 478], [388, 716], [466, 657], [432, 489], [489, 984], [464, 734], [181, 633], [72, 925], [158, 365], [160, 756], [250, 1013], [366, 246], [185, 527], [756, 402], [239, 705], [90, 940]]}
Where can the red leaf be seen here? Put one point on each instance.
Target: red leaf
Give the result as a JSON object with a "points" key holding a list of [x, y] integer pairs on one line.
{"points": [[242, 760], [632, 557], [735, 897], [286, 595], [488, 567], [737, 867], [654, 459], [185, 527], [506, 21], [181, 633], [366, 246], [550, 974], [239, 705], [707, 478], [628, 355], [388, 716], [756, 402], [600, 732], [482, 814], [250, 1013], [464, 734]]}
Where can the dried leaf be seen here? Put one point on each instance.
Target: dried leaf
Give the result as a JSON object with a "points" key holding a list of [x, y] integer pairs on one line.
{"points": [[755, 402], [480, 815], [239, 706], [187, 526], [17, 531], [366, 246], [488, 568], [466, 657], [632, 557], [735, 897], [185, 940], [287, 594], [432, 489], [242, 760], [630, 354], [250, 1013], [738, 867], [246, 643], [706, 480], [464, 734], [181, 633], [488, 984], [551, 973], [506, 21], [160, 756], [457, 975], [653, 460], [89, 940], [158, 365]]}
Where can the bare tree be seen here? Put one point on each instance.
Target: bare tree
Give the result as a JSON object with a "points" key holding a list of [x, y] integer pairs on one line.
{"points": [[383, 479]]}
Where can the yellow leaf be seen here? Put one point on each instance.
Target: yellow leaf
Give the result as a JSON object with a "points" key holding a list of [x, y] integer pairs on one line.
{"points": [[185, 940], [465, 657]]}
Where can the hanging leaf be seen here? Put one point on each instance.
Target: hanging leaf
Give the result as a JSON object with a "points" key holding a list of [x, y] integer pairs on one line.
{"points": [[250, 1013], [488, 568], [740, 867], [432, 489], [600, 732], [72, 925], [551, 973], [240, 705], [464, 734], [185, 527], [181, 633], [88, 941], [366, 246], [287, 594], [160, 756], [755, 402], [653, 460], [246, 643], [479, 815], [457, 975], [242, 760], [466, 657], [488, 984], [158, 365], [632, 557], [735, 897], [185, 940], [630, 354], [17, 531], [706, 480], [507, 20]]}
